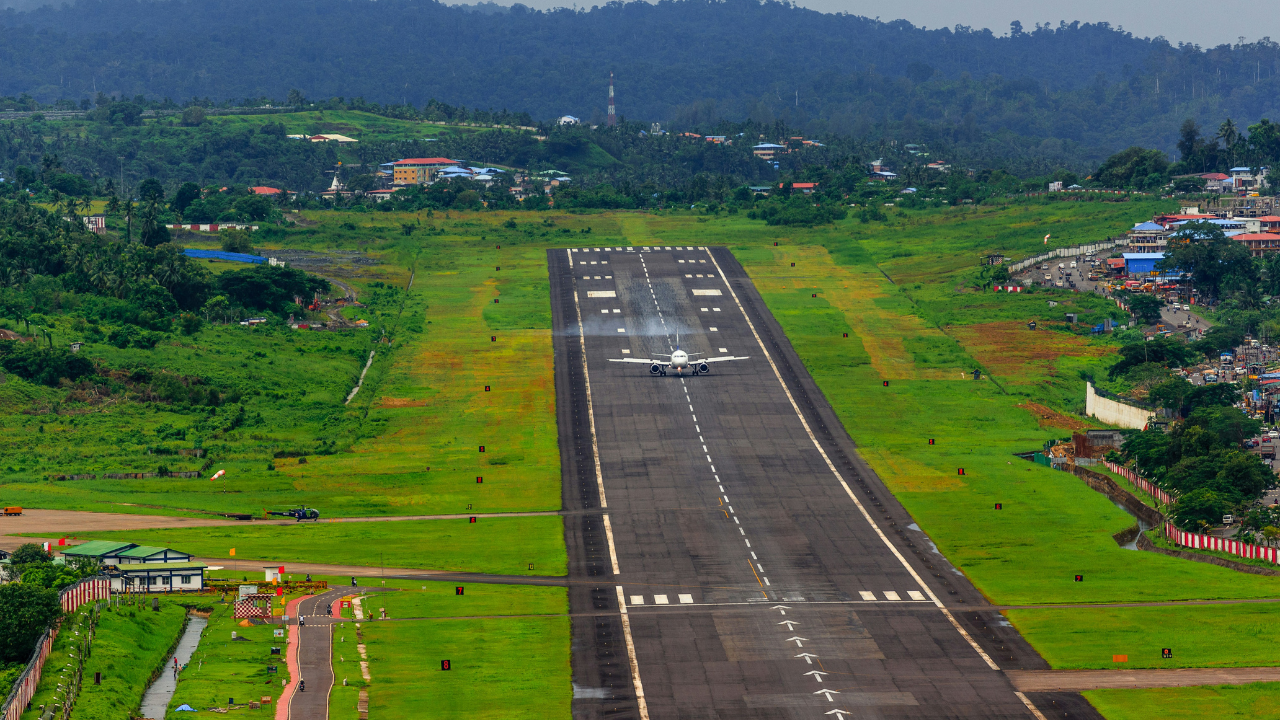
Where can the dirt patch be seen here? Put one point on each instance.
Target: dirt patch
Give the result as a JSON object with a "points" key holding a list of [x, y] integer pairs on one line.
{"points": [[1047, 417], [390, 402]]}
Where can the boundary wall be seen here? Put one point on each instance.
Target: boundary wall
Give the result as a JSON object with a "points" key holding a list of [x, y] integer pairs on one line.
{"points": [[1114, 412]]}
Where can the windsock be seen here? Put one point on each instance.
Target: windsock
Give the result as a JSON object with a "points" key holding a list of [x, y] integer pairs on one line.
{"points": [[217, 475], [1046, 239]]}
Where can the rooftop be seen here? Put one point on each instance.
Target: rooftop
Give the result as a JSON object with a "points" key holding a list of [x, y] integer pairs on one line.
{"points": [[97, 548]]}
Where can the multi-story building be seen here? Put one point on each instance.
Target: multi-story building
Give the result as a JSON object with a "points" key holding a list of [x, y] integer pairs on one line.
{"points": [[418, 171]]}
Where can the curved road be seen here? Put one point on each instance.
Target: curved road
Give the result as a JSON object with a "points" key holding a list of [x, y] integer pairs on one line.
{"points": [[315, 653]]}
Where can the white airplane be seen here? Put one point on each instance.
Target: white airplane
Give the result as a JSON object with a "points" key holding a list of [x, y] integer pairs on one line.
{"points": [[678, 361]]}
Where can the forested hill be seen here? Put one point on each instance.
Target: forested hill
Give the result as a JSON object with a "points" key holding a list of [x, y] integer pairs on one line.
{"points": [[1094, 87]]}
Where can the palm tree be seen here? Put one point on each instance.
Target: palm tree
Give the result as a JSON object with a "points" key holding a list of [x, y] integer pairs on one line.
{"points": [[1229, 135]]}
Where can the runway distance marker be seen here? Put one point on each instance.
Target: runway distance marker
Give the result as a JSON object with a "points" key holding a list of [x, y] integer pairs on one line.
{"points": [[479, 479], [445, 665], [846, 334], [999, 506], [1079, 578], [959, 471], [481, 448], [458, 590], [886, 383], [486, 388], [1166, 653], [930, 441], [793, 264], [495, 301], [473, 519], [493, 338]]}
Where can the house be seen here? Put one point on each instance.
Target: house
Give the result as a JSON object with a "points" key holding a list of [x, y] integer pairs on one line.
{"points": [[157, 577], [568, 120], [1268, 223], [1216, 182], [760, 189], [332, 137], [263, 190], [1244, 178], [1055, 186], [96, 223], [1142, 263], [104, 551], [1259, 243], [883, 176], [939, 166], [1148, 236], [766, 151], [718, 139], [383, 194], [805, 188], [418, 171]]}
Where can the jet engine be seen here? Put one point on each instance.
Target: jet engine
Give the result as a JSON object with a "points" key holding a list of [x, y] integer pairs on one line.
{"points": [[655, 369], [704, 368]]}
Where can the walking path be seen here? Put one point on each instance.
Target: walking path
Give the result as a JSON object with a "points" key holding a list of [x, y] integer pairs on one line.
{"points": [[1078, 680], [156, 700]]}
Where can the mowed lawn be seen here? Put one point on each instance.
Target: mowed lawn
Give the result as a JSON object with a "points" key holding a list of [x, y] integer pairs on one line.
{"points": [[507, 647], [1240, 635], [504, 546], [1221, 702]]}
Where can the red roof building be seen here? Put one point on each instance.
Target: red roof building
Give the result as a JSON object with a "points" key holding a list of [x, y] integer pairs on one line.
{"points": [[263, 190], [1259, 243], [805, 188]]}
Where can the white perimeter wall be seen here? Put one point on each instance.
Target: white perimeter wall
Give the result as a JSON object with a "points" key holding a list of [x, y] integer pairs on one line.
{"points": [[1112, 412]]}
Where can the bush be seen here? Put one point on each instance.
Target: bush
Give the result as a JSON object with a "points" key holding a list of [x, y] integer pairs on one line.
{"points": [[264, 287], [43, 365]]}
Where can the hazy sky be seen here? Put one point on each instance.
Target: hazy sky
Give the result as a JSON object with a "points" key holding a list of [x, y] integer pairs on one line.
{"points": [[1177, 20]]}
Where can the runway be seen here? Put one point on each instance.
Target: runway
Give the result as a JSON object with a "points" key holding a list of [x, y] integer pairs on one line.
{"points": [[742, 561]]}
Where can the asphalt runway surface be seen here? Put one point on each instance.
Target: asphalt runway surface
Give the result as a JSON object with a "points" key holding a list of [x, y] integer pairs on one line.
{"points": [[741, 560]]}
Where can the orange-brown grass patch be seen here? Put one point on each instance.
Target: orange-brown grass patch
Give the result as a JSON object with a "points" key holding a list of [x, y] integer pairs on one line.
{"points": [[1018, 356]]}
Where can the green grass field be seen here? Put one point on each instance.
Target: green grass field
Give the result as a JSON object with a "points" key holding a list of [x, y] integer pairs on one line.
{"points": [[352, 123], [130, 644], [1200, 636], [222, 668], [505, 658], [1221, 702], [505, 546]]}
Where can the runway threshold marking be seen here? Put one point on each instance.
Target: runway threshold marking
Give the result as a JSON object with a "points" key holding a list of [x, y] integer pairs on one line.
{"points": [[849, 491]]}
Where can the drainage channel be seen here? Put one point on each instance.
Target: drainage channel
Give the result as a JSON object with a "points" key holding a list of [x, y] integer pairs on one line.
{"points": [[156, 700], [1128, 539]]}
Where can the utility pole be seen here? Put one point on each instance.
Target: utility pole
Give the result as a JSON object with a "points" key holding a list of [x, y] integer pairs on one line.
{"points": [[613, 115]]}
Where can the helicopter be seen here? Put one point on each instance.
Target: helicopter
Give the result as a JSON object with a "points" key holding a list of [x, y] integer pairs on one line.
{"points": [[298, 514]]}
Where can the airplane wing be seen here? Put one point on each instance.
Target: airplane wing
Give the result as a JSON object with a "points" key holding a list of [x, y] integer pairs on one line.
{"points": [[640, 360], [724, 358]]}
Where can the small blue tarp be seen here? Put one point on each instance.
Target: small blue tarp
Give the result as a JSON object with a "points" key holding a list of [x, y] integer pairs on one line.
{"points": [[223, 255]]}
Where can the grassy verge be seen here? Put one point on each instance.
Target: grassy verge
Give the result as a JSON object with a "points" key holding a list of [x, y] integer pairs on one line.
{"points": [[1221, 702], [1200, 635], [506, 661], [222, 668], [489, 545], [130, 644]]}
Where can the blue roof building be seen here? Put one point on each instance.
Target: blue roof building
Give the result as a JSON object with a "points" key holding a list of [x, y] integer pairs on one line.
{"points": [[1141, 263]]}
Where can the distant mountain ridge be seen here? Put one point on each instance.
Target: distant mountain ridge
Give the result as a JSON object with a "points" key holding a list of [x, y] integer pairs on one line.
{"points": [[682, 61]]}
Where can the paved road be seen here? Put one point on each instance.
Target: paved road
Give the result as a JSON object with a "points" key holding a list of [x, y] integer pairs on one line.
{"points": [[1173, 318], [315, 657], [744, 560]]}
